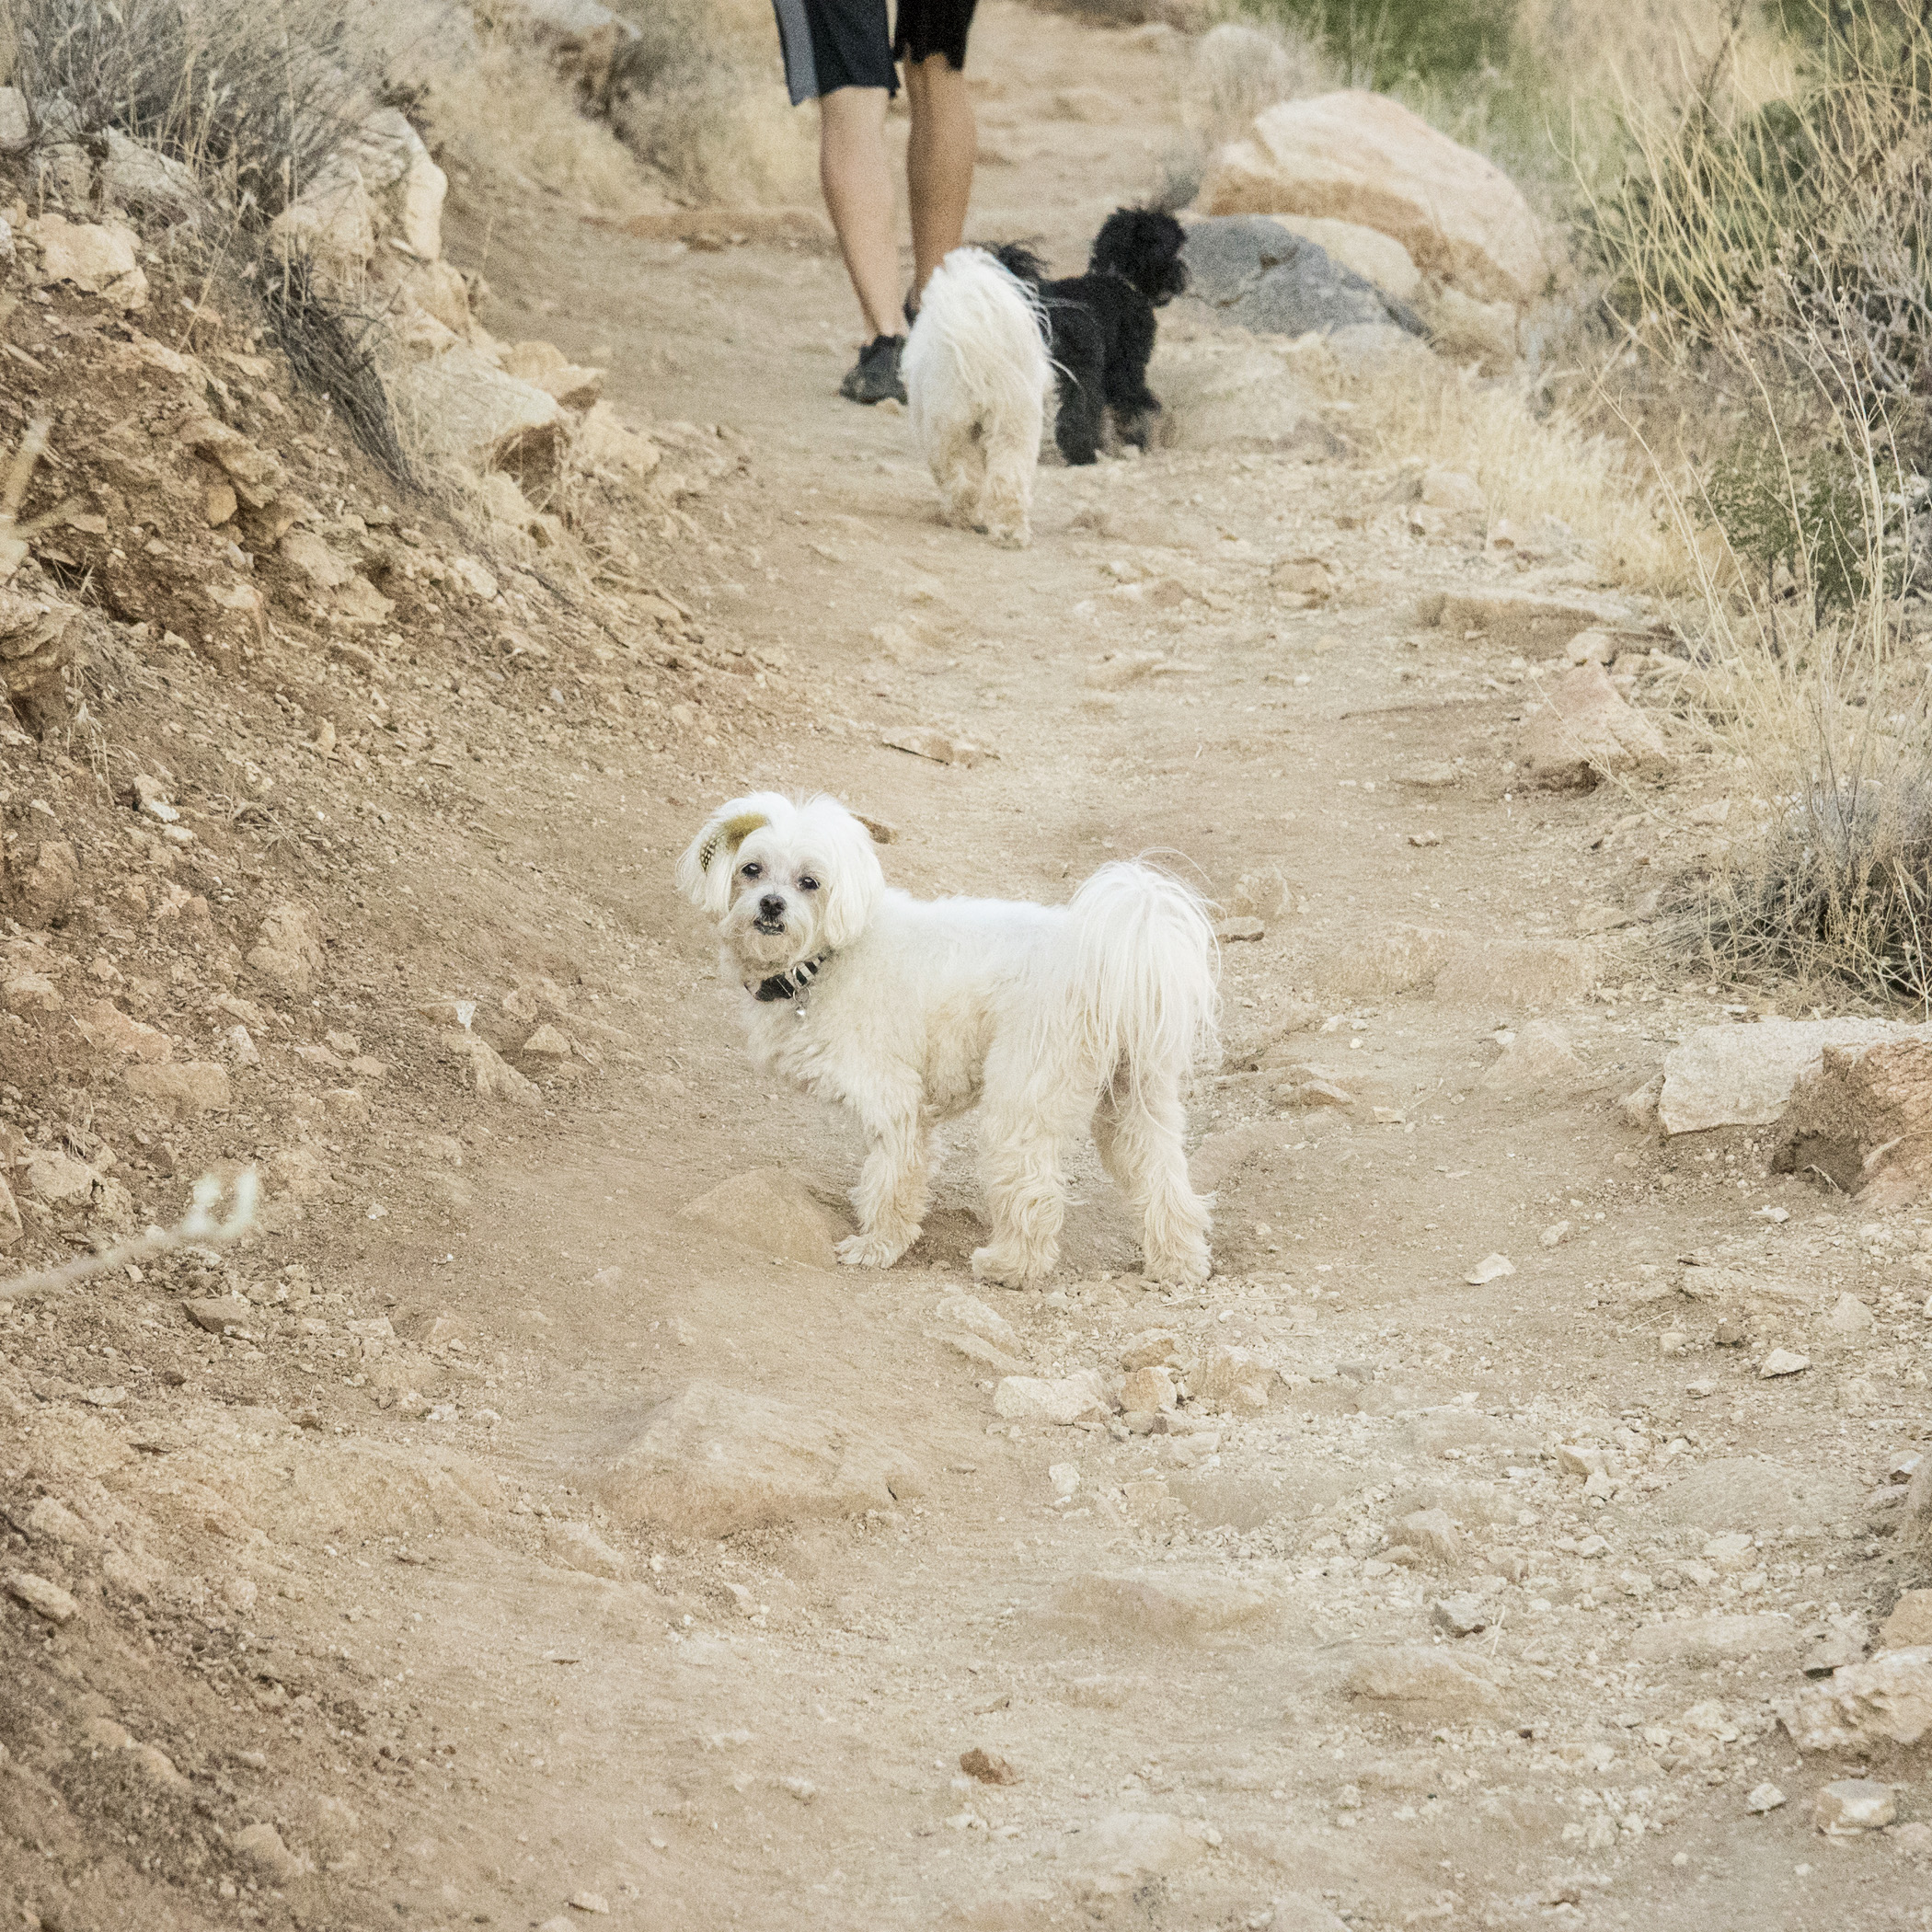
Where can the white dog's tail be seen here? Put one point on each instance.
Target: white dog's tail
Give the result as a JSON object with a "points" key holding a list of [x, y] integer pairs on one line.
{"points": [[1145, 975], [979, 341]]}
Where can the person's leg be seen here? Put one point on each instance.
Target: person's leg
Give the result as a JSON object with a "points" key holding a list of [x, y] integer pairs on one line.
{"points": [[938, 162], [857, 174]]}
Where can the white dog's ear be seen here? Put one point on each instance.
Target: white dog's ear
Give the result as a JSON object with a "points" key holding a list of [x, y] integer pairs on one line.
{"points": [[853, 879], [703, 873]]}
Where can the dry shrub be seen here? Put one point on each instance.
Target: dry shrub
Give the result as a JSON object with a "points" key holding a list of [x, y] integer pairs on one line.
{"points": [[1530, 460], [701, 100], [1239, 69], [1804, 681], [506, 116], [255, 99]]}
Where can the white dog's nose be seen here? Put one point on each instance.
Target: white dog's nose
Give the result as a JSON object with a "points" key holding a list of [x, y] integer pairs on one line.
{"points": [[771, 907]]}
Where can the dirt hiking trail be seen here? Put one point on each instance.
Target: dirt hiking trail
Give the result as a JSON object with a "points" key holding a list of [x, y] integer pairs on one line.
{"points": [[1360, 1634]]}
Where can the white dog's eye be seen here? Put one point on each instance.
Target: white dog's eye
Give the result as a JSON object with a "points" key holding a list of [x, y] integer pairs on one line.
{"points": [[808, 884], [752, 870]]}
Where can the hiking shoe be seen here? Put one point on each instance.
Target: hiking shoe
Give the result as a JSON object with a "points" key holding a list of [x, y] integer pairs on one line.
{"points": [[875, 376]]}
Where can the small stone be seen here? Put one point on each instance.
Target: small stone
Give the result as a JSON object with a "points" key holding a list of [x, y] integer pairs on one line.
{"points": [[802, 1789], [576, 1545], [1491, 1268], [225, 1312], [1910, 1625], [1555, 1234], [1676, 1342], [1762, 1798], [1782, 1361], [1580, 1459], [1853, 1805], [44, 1599], [260, 1846], [1849, 1316], [1149, 1389], [1432, 1532], [1032, 1398], [1230, 930], [1152, 1348], [1065, 1477], [988, 1768], [968, 1312], [1460, 1616], [588, 1901]]}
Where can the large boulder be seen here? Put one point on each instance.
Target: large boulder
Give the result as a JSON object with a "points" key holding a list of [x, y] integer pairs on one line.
{"points": [[1361, 157], [1585, 730], [458, 408], [1864, 1118], [711, 1459], [1745, 1076], [1256, 272]]}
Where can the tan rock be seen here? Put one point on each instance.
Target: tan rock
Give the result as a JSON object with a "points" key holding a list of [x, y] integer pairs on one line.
{"points": [[576, 1545], [10, 1225], [1586, 731], [1863, 1706], [1149, 1391], [1152, 1348], [1535, 625], [46, 1600], [1705, 1640], [1034, 1399], [41, 635], [1163, 1604], [186, 1090], [1539, 1059], [712, 1459], [1425, 1685], [490, 1073], [1851, 1805], [255, 473], [109, 1030], [260, 1846], [1864, 1118], [771, 1211], [331, 223], [1374, 256], [288, 949], [605, 444], [1432, 1533], [1364, 158], [547, 368], [1909, 1628], [1747, 1077], [459, 408], [967, 1311], [101, 258]]}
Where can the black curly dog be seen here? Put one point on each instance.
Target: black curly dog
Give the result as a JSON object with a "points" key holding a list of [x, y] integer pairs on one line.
{"points": [[1100, 326]]}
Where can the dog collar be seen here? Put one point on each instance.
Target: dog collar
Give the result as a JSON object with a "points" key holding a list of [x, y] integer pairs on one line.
{"points": [[791, 984]]}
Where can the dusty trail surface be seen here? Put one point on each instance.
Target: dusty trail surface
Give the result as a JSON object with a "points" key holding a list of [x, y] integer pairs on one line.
{"points": [[1212, 1656]]}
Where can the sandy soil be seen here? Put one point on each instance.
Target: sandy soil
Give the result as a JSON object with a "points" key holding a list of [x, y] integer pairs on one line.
{"points": [[1179, 1661]]}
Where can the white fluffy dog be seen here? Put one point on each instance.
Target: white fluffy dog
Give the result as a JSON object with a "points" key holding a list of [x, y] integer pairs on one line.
{"points": [[910, 1011], [976, 380]]}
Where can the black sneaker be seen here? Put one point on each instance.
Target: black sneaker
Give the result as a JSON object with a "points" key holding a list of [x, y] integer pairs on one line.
{"points": [[875, 376]]}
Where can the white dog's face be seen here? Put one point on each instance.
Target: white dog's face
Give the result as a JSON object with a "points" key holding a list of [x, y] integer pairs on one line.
{"points": [[785, 882]]}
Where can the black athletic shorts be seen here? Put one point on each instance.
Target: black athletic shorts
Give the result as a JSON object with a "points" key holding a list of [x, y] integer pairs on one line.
{"points": [[830, 44]]}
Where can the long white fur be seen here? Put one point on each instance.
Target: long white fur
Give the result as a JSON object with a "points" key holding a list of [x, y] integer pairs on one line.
{"points": [[976, 378], [1047, 1018]]}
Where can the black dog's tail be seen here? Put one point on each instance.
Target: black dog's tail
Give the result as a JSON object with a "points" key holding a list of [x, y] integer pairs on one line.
{"points": [[1019, 259]]}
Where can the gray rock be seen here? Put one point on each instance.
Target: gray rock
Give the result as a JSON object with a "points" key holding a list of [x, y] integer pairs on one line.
{"points": [[1254, 271]]}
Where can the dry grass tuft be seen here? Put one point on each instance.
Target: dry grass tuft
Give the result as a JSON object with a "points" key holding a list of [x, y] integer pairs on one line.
{"points": [[701, 100], [506, 116], [1531, 462]]}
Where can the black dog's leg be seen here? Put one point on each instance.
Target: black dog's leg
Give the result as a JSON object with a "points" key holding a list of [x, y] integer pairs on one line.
{"points": [[1134, 406], [1081, 353]]}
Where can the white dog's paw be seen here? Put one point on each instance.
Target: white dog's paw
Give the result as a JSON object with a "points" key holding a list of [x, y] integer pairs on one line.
{"points": [[1009, 1267], [1186, 1266], [871, 1250]]}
